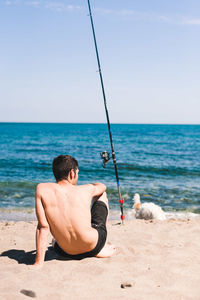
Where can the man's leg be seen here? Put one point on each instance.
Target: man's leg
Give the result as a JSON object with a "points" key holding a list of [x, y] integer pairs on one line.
{"points": [[104, 199], [108, 249]]}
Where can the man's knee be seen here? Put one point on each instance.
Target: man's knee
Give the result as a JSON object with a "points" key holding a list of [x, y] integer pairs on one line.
{"points": [[102, 198]]}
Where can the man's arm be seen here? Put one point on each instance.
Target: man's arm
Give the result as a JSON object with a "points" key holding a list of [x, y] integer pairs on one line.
{"points": [[42, 229]]}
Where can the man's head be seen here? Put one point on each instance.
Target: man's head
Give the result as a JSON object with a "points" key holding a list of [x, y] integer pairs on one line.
{"points": [[65, 167]]}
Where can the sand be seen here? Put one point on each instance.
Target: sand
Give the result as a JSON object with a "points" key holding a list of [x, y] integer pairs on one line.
{"points": [[154, 260]]}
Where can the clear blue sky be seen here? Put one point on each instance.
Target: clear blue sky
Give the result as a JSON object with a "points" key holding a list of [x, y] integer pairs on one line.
{"points": [[149, 51]]}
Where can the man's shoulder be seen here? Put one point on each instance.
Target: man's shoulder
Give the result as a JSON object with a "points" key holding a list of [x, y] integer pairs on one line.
{"points": [[44, 186]]}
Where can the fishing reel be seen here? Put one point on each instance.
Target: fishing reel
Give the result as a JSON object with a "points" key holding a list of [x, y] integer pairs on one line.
{"points": [[105, 157]]}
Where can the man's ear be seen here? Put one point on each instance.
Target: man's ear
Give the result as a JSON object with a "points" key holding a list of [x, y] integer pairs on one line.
{"points": [[71, 174]]}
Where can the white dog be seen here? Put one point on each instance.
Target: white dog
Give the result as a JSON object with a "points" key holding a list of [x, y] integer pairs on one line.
{"points": [[147, 211]]}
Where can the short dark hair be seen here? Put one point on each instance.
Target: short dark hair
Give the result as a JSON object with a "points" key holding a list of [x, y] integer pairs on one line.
{"points": [[62, 165]]}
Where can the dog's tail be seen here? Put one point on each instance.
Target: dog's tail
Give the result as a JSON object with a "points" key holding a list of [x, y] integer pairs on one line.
{"points": [[137, 202]]}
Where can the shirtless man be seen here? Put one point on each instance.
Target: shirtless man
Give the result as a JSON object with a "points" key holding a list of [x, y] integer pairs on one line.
{"points": [[65, 209]]}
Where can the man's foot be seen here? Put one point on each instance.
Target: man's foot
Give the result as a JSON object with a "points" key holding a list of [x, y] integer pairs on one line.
{"points": [[106, 251]]}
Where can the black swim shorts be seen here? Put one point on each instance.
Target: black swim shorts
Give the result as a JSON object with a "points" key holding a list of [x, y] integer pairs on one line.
{"points": [[99, 213]]}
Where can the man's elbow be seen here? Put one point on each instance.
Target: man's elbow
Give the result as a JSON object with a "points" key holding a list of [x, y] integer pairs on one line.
{"points": [[43, 227]]}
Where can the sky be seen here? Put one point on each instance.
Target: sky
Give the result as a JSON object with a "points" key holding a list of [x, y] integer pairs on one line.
{"points": [[149, 52]]}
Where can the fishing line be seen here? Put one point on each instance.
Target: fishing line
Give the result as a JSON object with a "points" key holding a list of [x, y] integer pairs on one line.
{"points": [[104, 154]]}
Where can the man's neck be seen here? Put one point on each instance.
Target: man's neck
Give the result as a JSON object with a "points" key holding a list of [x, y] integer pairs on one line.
{"points": [[64, 182]]}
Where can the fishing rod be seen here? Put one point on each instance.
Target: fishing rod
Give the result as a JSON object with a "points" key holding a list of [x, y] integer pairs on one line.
{"points": [[105, 155]]}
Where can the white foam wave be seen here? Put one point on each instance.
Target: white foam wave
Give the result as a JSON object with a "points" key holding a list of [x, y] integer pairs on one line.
{"points": [[129, 214]]}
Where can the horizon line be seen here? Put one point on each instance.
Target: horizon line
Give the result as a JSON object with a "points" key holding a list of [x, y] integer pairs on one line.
{"points": [[103, 123]]}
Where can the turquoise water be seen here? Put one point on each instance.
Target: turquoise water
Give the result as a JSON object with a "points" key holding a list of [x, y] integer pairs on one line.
{"points": [[161, 162]]}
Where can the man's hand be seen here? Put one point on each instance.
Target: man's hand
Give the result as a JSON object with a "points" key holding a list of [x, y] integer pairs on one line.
{"points": [[99, 189], [37, 266]]}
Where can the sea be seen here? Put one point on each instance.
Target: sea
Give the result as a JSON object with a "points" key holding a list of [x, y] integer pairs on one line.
{"points": [[160, 162]]}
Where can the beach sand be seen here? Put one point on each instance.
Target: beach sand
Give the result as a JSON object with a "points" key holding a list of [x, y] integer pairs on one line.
{"points": [[154, 260]]}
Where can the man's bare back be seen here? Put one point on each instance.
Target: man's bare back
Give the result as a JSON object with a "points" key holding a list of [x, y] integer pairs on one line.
{"points": [[65, 209]]}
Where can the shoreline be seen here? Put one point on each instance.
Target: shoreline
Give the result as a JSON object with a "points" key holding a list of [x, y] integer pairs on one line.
{"points": [[28, 215]]}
